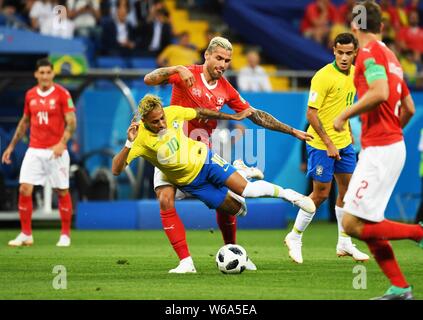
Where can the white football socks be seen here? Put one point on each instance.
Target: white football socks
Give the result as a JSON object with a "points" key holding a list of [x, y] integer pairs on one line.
{"points": [[262, 188], [342, 236], [301, 223]]}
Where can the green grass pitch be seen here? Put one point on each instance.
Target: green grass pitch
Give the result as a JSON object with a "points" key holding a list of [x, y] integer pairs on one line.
{"points": [[134, 265]]}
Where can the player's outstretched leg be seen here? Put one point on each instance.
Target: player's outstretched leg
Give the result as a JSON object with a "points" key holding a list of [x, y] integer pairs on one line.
{"points": [[263, 188]]}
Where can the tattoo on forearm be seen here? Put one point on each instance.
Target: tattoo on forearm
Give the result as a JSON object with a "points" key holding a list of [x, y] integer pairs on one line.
{"points": [[267, 121], [20, 131], [159, 76], [321, 127], [210, 114]]}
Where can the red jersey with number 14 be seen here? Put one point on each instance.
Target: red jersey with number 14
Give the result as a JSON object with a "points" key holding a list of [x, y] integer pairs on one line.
{"points": [[203, 95], [46, 110], [381, 126]]}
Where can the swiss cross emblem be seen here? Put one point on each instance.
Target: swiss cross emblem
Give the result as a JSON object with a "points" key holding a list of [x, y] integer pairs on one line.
{"points": [[196, 92], [33, 102], [220, 101]]}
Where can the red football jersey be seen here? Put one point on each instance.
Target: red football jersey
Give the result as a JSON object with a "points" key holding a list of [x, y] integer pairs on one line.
{"points": [[202, 95], [381, 126], [46, 111]]}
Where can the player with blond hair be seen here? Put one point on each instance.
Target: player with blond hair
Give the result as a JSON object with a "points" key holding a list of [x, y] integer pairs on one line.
{"points": [[190, 165]]}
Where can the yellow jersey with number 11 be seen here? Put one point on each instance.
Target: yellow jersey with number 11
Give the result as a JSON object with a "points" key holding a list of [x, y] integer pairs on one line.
{"points": [[331, 92]]}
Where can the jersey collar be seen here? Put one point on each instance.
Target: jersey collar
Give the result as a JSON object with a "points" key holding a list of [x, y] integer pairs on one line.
{"points": [[45, 93], [210, 87], [337, 68]]}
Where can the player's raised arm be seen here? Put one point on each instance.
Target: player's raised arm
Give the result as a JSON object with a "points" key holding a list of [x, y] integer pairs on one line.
{"points": [[203, 113], [162, 75], [22, 127], [266, 120], [120, 160]]}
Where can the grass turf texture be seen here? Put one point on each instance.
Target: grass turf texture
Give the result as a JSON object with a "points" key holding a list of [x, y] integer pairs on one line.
{"points": [[134, 265]]}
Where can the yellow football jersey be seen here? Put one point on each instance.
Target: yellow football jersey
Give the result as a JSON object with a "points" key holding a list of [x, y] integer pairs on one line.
{"points": [[179, 157], [331, 92]]}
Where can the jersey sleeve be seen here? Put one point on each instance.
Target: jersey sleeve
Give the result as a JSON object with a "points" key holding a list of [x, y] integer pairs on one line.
{"points": [[235, 101], [372, 67], [67, 102], [182, 113], [318, 91], [135, 152]]}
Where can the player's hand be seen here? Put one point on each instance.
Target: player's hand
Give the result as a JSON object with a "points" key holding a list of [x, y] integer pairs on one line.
{"points": [[58, 150], [6, 155], [132, 131], [339, 123], [303, 136], [243, 114], [186, 76], [333, 152]]}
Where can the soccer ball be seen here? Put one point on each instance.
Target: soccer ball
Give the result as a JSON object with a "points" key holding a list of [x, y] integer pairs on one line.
{"points": [[232, 259]]}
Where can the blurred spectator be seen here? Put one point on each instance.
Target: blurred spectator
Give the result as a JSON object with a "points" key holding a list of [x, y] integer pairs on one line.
{"points": [[182, 53], [399, 14], [52, 27], [85, 14], [253, 77], [40, 11], [411, 37], [16, 11], [410, 67], [144, 9], [413, 6], [109, 8], [318, 18], [345, 11], [209, 34], [156, 34], [118, 35], [388, 31]]}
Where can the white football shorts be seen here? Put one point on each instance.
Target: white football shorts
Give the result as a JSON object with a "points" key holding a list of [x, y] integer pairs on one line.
{"points": [[39, 166], [373, 181]]}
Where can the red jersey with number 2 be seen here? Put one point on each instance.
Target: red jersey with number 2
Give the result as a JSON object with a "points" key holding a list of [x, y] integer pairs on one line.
{"points": [[381, 126], [46, 110], [203, 95]]}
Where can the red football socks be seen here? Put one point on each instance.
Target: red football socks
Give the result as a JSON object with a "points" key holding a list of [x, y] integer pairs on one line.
{"points": [[175, 232], [227, 225], [25, 213], [65, 210], [382, 251], [391, 230]]}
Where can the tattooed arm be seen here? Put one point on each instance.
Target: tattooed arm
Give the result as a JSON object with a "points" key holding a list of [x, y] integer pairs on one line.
{"points": [[161, 76], [21, 129], [203, 113], [317, 125], [267, 121]]}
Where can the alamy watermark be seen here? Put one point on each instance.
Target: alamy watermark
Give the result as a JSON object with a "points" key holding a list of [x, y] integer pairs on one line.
{"points": [[360, 280], [60, 281], [360, 19]]}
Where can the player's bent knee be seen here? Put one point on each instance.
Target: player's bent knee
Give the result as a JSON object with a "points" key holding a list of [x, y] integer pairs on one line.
{"points": [[350, 225], [62, 192], [166, 199], [25, 189]]}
